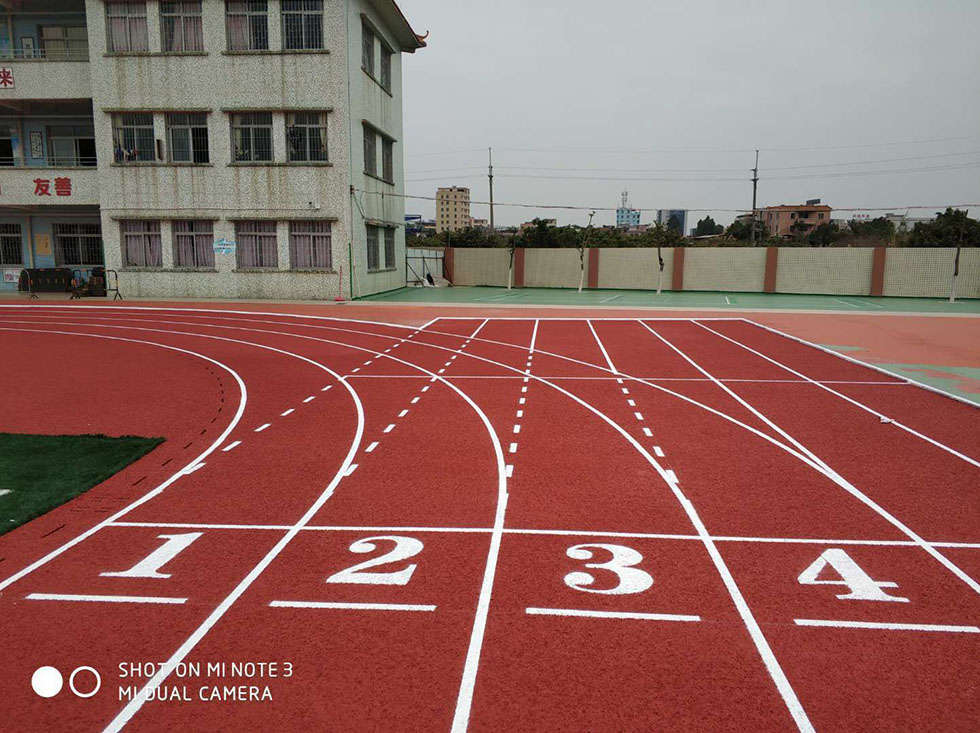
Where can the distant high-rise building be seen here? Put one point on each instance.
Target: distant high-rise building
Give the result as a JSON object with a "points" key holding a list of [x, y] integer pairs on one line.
{"points": [[675, 219], [452, 209], [626, 218]]}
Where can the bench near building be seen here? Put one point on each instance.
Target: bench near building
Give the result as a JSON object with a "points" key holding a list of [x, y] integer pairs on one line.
{"points": [[136, 135]]}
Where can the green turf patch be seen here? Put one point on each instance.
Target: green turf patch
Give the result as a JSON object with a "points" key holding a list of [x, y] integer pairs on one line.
{"points": [[41, 472]]}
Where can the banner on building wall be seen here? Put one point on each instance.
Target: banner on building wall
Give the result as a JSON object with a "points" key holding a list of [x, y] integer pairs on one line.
{"points": [[42, 245], [11, 276], [224, 247], [37, 147]]}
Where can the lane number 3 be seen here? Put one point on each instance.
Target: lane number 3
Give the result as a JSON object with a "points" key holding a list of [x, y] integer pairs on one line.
{"points": [[621, 563]]}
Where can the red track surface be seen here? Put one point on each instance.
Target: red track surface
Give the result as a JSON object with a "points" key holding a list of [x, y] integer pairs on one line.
{"points": [[495, 455]]}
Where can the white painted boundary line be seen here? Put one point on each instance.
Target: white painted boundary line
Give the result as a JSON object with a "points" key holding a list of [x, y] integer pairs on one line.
{"points": [[352, 606], [243, 399], [865, 364], [605, 354], [885, 626], [610, 614], [840, 480], [851, 400], [103, 599], [558, 377]]}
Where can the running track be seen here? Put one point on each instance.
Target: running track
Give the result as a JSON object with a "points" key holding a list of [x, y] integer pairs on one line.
{"points": [[504, 523]]}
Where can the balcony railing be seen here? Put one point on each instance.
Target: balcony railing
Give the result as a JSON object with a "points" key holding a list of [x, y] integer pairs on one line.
{"points": [[53, 161], [50, 53]]}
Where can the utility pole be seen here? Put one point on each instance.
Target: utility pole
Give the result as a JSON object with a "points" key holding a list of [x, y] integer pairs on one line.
{"points": [[755, 185], [493, 231]]}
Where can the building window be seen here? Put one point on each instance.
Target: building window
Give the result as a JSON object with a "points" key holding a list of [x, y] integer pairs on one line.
{"points": [[64, 43], [306, 136], [141, 243], [78, 244], [388, 159], [386, 55], [302, 25], [367, 50], [132, 137], [372, 248], [6, 145], [247, 25], [370, 151], [193, 244], [187, 134], [251, 136], [180, 26], [390, 247], [257, 246], [11, 251], [126, 25], [309, 245], [71, 145]]}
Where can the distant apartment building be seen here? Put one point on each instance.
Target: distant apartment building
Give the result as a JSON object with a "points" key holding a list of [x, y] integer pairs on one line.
{"points": [[452, 209], [479, 223], [205, 148], [675, 219], [790, 220], [627, 218]]}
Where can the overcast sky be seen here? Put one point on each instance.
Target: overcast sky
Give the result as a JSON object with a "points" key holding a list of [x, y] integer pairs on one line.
{"points": [[593, 95]]}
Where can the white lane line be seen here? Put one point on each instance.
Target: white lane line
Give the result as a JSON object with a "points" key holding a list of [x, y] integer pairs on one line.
{"points": [[260, 428], [631, 403], [513, 448], [403, 413], [671, 476], [309, 399], [104, 599], [370, 448], [368, 362], [509, 470], [425, 388], [605, 354], [658, 451], [638, 415], [414, 400], [352, 606], [611, 298], [625, 390], [389, 428], [355, 370], [647, 432], [231, 446], [441, 371], [610, 614], [522, 401], [534, 338], [517, 429], [290, 411], [194, 468], [350, 469], [885, 626], [326, 388]]}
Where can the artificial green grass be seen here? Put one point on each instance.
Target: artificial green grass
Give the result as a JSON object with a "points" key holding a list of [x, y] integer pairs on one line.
{"points": [[42, 472]]}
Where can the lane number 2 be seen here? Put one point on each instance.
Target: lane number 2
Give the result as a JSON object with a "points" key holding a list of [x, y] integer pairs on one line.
{"points": [[621, 563], [861, 586], [405, 547]]}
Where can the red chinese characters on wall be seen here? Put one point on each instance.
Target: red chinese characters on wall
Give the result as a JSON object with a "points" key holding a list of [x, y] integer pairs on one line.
{"points": [[6, 77], [62, 186]]}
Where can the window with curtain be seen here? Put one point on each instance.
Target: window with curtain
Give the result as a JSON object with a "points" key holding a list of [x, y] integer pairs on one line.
{"points": [[64, 43], [367, 49], [187, 136], [257, 246], [141, 243], [302, 25], [388, 159], [309, 245], [373, 255], [10, 245], [78, 244], [193, 243], [247, 25], [251, 136], [132, 137], [306, 136], [180, 26], [126, 20], [370, 151], [389, 247]]}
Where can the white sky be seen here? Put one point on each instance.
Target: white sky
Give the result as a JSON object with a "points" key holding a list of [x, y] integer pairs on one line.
{"points": [[641, 89]]}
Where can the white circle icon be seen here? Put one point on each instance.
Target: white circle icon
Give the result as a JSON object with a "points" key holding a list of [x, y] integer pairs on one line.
{"points": [[95, 687], [46, 681]]}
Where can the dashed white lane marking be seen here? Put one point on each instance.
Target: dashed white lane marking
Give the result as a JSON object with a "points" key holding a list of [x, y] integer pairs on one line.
{"points": [[260, 428], [658, 451], [523, 390], [509, 470], [231, 446], [194, 468], [389, 428], [103, 599], [631, 403], [326, 388], [290, 411], [513, 447], [671, 476], [355, 370], [639, 415], [309, 399], [425, 388], [440, 371], [414, 400], [367, 363], [610, 614], [403, 413], [370, 448], [522, 401], [351, 469], [647, 432], [352, 606], [625, 391], [520, 413], [517, 429], [885, 626]]}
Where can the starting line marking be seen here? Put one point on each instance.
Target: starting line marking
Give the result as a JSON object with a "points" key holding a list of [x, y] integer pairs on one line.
{"points": [[610, 614], [885, 626], [104, 599], [352, 606]]}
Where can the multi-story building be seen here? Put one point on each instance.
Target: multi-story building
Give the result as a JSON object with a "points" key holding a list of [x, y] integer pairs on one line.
{"points": [[222, 148], [452, 209], [675, 219], [789, 220], [627, 218]]}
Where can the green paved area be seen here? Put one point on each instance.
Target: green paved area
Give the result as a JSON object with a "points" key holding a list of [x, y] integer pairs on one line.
{"points": [[686, 299], [41, 472]]}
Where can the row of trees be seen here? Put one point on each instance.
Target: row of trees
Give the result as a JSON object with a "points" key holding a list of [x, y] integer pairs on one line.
{"points": [[951, 228]]}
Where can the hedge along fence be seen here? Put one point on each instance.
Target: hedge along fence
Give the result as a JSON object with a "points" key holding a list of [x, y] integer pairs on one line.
{"points": [[899, 271]]}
